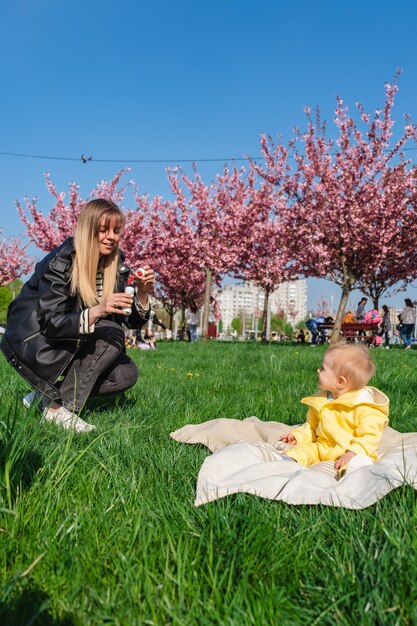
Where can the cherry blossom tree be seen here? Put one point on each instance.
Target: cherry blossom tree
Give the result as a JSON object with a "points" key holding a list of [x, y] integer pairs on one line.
{"points": [[149, 235], [211, 218], [351, 210], [160, 233], [323, 307], [15, 262], [47, 231], [262, 257], [396, 269]]}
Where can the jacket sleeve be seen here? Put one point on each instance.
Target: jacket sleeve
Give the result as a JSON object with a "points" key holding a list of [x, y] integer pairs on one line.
{"points": [[367, 435], [138, 317], [307, 432], [57, 314]]}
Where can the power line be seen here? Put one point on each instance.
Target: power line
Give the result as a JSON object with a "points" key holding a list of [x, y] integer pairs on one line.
{"points": [[85, 159]]}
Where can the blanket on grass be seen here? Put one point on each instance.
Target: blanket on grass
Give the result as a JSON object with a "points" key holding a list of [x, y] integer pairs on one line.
{"points": [[245, 455]]}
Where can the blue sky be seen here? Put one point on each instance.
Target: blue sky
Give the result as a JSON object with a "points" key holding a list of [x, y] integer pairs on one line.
{"points": [[128, 80]]}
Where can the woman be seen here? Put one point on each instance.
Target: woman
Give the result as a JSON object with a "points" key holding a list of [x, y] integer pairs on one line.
{"points": [[192, 321], [360, 311], [64, 333], [386, 325], [147, 342], [408, 321], [360, 315]]}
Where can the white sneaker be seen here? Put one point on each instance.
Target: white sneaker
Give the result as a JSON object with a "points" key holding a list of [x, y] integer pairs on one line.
{"points": [[67, 419]]}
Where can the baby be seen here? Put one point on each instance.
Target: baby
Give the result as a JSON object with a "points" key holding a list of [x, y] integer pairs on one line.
{"points": [[346, 418]]}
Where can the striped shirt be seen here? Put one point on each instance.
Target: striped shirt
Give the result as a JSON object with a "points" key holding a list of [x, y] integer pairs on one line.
{"points": [[85, 328]]}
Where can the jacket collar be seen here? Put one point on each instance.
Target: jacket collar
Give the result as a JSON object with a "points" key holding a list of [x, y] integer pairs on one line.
{"points": [[351, 398]]}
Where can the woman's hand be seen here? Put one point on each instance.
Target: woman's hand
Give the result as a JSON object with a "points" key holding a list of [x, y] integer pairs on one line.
{"points": [[114, 303], [288, 439], [145, 285]]}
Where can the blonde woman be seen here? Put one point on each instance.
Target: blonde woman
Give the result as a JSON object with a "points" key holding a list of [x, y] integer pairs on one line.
{"points": [[64, 333]]}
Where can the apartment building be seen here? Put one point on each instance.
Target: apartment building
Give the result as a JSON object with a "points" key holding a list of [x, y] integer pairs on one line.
{"points": [[248, 300]]}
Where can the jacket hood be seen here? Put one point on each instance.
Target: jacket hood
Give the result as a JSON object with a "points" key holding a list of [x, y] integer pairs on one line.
{"points": [[374, 397]]}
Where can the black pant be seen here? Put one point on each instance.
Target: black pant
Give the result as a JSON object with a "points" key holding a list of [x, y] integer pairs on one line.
{"points": [[101, 367]]}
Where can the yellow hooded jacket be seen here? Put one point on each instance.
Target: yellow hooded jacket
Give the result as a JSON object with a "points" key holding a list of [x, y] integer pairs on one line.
{"points": [[353, 421]]}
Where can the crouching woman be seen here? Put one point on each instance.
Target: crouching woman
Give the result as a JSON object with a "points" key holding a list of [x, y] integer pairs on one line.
{"points": [[64, 331]]}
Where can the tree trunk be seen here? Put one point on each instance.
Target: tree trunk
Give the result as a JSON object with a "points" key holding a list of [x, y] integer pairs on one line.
{"points": [[264, 335], [206, 309], [335, 336], [171, 312]]}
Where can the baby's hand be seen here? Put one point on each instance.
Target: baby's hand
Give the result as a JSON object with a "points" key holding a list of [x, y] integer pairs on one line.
{"points": [[344, 459], [288, 439]]}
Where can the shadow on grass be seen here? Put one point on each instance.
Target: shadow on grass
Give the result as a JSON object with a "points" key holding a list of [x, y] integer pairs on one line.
{"points": [[101, 404], [19, 461], [17, 474], [31, 462], [30, 608]]}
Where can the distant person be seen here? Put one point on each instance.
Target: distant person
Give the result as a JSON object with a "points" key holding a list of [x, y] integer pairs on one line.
{"points": [[192, 321], [181, 333], [408, 321], [360, 315], [301, 337], [148, 342], [360, 311], [317, 327], [386, 325], [212, 319], [312, 325], [349, 318]]}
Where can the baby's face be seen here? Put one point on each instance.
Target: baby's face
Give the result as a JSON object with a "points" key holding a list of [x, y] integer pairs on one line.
{"points": [[327, 377]]}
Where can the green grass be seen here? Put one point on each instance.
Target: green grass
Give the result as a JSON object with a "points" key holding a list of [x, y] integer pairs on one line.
{"points": [[101, 529]]}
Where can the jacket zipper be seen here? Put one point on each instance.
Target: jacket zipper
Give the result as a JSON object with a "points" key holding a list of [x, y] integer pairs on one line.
{"points": [[32, 336], [79, 341]]}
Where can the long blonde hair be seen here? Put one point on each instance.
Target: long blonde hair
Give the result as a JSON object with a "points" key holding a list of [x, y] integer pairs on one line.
{"points": [[87, 259]]}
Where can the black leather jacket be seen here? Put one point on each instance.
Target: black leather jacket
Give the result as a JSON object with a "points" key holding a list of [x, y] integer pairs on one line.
{"points": [[43, 322]]}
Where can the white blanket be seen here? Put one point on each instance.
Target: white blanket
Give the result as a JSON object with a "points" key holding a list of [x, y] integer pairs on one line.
{"points": [[248, 459]]}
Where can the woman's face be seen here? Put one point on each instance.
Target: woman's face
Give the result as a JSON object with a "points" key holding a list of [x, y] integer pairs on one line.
{"points": [[109, 235]]}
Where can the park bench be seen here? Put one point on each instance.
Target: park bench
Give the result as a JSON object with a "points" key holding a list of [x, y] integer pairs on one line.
{"points": [[354, 331], [359, 331]]}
